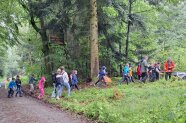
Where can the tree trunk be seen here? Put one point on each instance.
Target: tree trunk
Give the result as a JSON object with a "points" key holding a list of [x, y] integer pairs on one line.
{"points": [[46, 53], [94, 39], [45, 49], [128, 31], [66, 53], [120, 65]]}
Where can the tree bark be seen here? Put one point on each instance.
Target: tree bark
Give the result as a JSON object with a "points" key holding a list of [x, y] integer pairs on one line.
{"points": [[94, 39], [46, 52], [120, 66], [128, 31], [45, 49], [43, 33]]}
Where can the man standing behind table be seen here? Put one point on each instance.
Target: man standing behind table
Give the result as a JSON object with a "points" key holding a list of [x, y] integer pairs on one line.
{"points": [[168, 67], [144, 68]]}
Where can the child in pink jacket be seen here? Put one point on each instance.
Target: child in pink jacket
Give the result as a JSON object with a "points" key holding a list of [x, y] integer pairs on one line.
{"points": [[41, 87]]}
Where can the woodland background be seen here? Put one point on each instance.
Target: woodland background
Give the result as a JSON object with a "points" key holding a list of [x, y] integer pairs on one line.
{"points": [[89, 34]]}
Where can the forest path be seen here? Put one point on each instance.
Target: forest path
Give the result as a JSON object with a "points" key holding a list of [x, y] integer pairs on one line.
{"points": [[29, 110]]}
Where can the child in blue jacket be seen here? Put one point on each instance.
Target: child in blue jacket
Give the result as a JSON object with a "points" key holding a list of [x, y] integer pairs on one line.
{"points": [[74, 80], [11, 87], [101, 74], [125, 76]]}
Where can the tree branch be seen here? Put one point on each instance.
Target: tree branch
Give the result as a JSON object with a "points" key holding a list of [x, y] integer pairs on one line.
{"points": [[33, 23], [23, 5]]}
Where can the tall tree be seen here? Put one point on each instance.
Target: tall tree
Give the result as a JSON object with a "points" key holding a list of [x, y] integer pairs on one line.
{"points": [[37, 11], [128, 31], [94, 38]]}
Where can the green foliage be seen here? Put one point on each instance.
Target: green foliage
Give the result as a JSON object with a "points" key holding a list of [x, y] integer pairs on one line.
{"points": [[9, 22], [171, 39], [110, 11], [11, 66], [157, 30], [24, 80], [161, 101]]}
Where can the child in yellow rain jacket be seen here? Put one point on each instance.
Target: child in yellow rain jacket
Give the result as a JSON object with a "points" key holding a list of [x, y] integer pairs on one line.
{"points": [[130, 73]]}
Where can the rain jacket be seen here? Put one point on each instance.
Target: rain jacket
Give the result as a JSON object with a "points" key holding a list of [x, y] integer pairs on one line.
{"points": [[130, 71], [143, 66], [74, 79], [126, 70], [41, 83], [169, 66], [31, 80], [102, 73], [11, 84], [138, 70]]}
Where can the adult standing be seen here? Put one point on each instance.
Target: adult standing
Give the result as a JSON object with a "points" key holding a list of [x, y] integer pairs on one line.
{"points": [[144, 69], [64, 80], [168, 67]]}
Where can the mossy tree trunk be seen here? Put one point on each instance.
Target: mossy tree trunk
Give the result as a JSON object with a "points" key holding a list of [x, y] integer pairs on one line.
{"points": [[94, 39], [128, 30]]}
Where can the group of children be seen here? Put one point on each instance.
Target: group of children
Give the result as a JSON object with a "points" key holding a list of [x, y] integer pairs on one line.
{"points": [[144, 71], [14, 85], [61, 80], [127, 74], [152, 72]]}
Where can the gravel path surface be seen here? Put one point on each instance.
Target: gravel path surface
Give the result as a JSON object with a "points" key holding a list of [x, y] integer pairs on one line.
{"points": [[28, 110]]}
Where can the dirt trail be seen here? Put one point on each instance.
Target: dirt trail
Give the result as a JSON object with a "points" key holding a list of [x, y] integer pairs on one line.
{"points": [[28, 110]]}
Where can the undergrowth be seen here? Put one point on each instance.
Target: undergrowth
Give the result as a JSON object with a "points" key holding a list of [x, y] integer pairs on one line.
{"points": [[157, 102]]}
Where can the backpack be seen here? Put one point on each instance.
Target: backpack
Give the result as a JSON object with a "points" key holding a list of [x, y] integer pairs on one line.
{"points": [[59, 79], [54, 79], [152, 76]]}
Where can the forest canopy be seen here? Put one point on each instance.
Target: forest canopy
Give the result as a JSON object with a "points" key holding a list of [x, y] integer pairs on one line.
{"points": [[38, 36]]}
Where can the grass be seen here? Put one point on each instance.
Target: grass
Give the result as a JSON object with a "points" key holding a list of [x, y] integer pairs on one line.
{"points": [[158, 102]]}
